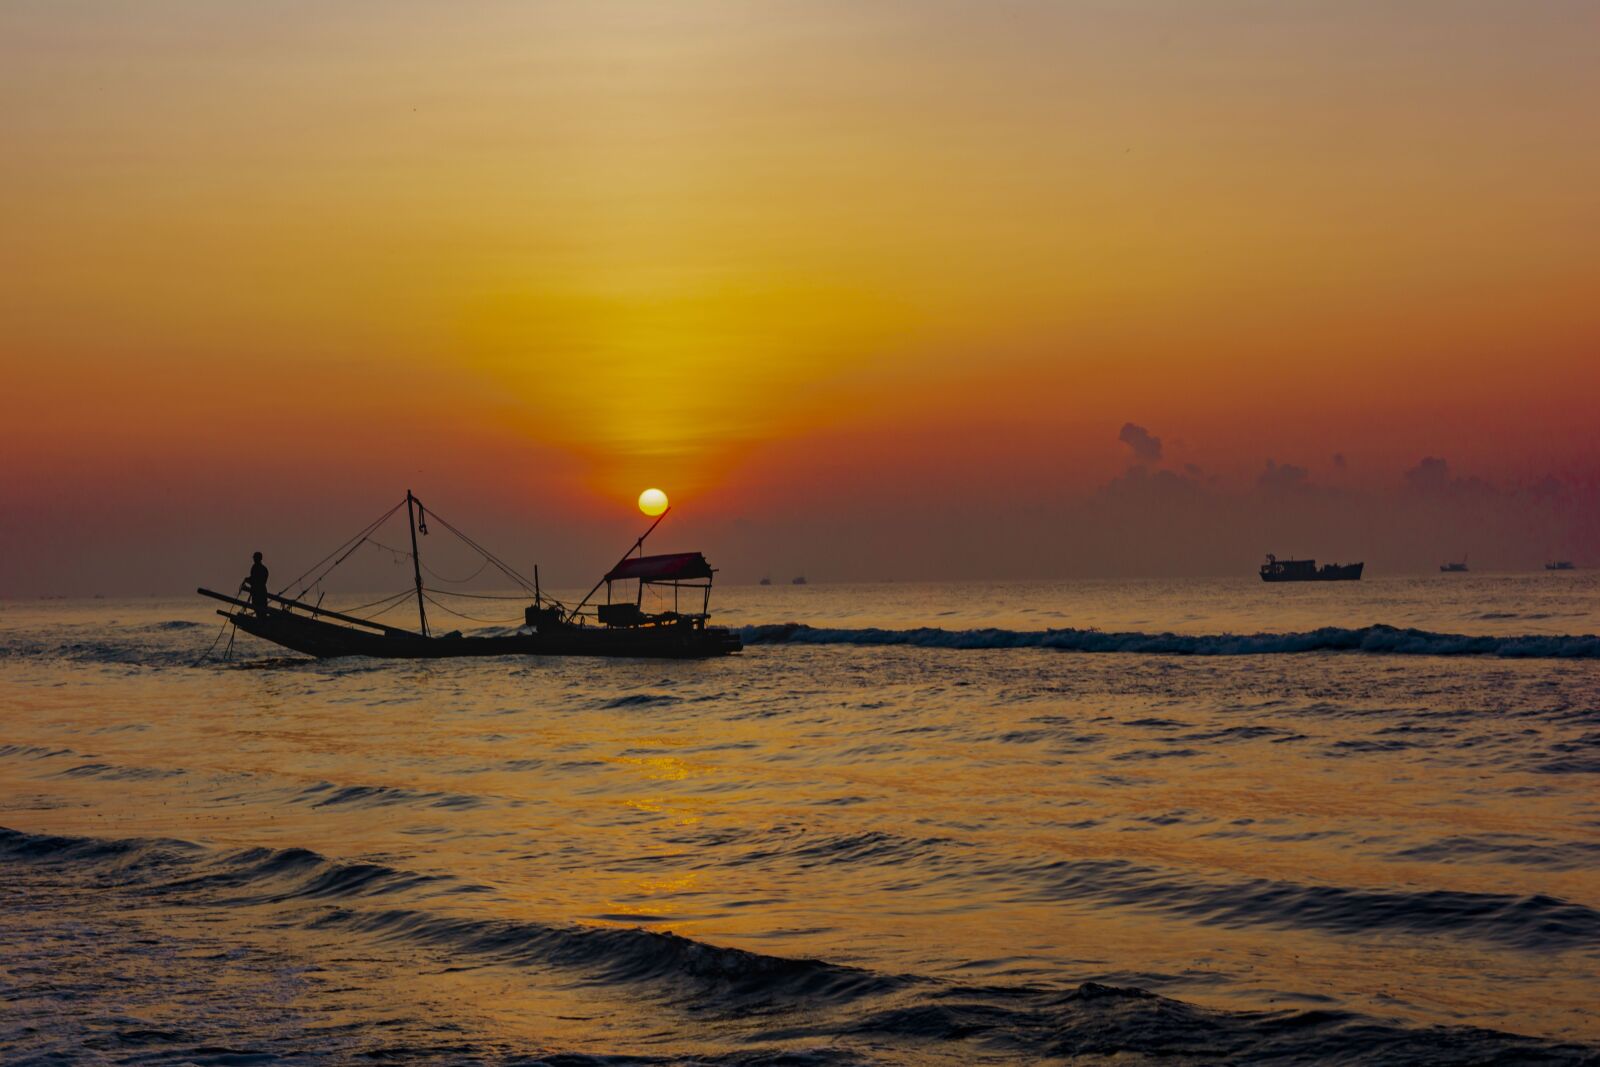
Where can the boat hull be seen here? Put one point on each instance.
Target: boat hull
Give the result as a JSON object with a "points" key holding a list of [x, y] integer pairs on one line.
{"points": [[1328, 573], [326, 640]]}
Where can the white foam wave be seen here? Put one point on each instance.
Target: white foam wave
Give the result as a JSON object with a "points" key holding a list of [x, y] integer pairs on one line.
{"points": [[1386, 640]]}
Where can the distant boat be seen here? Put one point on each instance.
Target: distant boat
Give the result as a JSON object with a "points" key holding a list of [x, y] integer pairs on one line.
{"points": [[1306, 570], [765, 581], [798, 581], [1454, 568], [1560, 565]]}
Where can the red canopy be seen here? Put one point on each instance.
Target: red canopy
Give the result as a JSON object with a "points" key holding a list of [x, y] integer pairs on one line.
{"points": [[674, 567]]}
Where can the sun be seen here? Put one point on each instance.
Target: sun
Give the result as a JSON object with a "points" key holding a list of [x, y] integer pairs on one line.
{"points": [[652, 502]]}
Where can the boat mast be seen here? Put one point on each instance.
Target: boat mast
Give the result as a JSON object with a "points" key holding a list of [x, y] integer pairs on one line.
{"points": [[416, 561], [638, 546]]}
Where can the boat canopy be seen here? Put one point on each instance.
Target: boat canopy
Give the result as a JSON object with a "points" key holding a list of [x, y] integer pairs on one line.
{"points": [[673, 567]]}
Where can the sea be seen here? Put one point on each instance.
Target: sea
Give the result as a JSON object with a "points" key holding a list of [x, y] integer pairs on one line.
{"points": [[1125, 822]]}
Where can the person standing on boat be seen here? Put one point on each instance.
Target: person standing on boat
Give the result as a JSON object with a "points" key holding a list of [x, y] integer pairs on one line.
{"points": [[257, 584]]}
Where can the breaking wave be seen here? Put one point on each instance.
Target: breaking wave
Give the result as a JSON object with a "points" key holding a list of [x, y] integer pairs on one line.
{"points": [[1380, 639]]}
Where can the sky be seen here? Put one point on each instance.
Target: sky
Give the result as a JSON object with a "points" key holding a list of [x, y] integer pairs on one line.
{"points": [[872, 290]]}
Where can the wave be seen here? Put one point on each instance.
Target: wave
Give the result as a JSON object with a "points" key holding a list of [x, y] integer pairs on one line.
{"points": [[168, 866], [854, 1013], [1508, 849], [1095, 1022], [129, 858], [1380, 639], [1536, 923], [796, 846], [131, 653], [35, 752], [328, 795], [692, 973], [113, 772], [639, 700]]}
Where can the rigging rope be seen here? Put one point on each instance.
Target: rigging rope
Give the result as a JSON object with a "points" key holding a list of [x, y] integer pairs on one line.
{"points": [[347, 548], [354, 543], [214, 642], [405, 554], [386, 600], [402, 552], [470, 618], [455, 581], [504, 567], [484, 596]]}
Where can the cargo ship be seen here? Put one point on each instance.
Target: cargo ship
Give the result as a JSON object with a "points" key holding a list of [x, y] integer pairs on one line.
{"points": [[1560, 565], [1306, 570]]}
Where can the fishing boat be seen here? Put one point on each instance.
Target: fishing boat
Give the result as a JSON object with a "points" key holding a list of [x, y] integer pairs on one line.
{"points": [[1454, 568], [619, 627], [1306, 570]]}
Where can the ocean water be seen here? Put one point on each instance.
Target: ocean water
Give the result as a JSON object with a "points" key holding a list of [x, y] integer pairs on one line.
{"points": [[1124, 822]]}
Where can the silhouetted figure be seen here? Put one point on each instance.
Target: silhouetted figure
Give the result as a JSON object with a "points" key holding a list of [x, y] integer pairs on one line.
{"points": [[257, 584]]}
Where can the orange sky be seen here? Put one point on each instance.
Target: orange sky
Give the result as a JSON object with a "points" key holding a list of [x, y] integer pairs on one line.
{"points": [[544, 255]]}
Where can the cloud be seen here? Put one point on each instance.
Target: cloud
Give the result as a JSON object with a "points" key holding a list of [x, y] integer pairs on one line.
{"points": [[1429, 476], [1143, 483], [1282, 477], [1145, 445]]}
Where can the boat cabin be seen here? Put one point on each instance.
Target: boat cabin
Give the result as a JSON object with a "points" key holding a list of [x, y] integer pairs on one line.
{"points": [[682, 572], [1289, 569]]}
